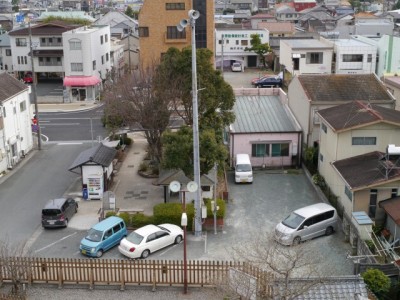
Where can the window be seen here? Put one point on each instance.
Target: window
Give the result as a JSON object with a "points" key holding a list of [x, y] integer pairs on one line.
{"points": [[175, 6], [102, 59], [75, 45], [20, 42], [373, 196], [314, 58], [25, 60], [107, 56], [8, 52], [4, 112], [321, 157], [348, 193], [244, 42], [143, 31], [363, 141], [353, 57], [237, 42], [76, 67], [369, 59], [116, 228], [260, 150], [394, 193], [280, 150], [94, 65], [324, 128], [101, 40], [22, 106], [106, 38], [174, 33]]}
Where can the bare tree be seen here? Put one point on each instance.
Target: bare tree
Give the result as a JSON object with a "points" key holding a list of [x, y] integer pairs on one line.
{"points": [[16, 266], [134, 102]]}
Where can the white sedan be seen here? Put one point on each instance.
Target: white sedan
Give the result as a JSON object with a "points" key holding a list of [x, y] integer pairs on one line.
{"points": [[150, 238]]}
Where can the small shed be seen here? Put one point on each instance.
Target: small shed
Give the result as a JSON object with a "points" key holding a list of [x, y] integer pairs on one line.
{"points": [[167, 176], [96, 166]]}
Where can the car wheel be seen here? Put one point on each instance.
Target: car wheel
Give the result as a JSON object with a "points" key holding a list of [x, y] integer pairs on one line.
{"points": [[178, 239], [329, 231], [296, 240], [66, 222], [145, 253], [99, 253]]}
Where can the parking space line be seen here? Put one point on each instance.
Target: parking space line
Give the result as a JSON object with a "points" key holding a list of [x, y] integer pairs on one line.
{"points": [[56, 242]]}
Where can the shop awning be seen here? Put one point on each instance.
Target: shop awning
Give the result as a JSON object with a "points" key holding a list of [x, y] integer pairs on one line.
{"points": [[81, 80]]}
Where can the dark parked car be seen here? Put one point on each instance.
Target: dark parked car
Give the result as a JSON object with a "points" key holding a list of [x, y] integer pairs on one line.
{"points": [[269, 82], [58, 212]]}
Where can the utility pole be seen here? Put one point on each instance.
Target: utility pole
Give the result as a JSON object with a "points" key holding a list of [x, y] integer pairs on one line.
{"points": [[222, 56], [129, 49], [39, 133]]}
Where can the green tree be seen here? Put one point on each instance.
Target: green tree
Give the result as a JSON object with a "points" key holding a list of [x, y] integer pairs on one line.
{"points": [[131, 13], [215, 96], [397, 5], [178, 150], [261, 49], [15, 5], [376, 281]]}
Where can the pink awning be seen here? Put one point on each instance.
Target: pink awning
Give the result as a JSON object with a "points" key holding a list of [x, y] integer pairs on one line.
{"points": [[81, 80]]}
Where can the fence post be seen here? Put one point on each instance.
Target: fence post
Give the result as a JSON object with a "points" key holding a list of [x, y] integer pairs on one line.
{"points": [[122, 276], [1, 271], [91, 277], [154, 276], [60, 276]]}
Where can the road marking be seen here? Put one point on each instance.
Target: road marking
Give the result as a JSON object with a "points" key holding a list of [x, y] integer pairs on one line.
{"points": [[41, 121], [63, 124], [69, 143], [31, 241], [56, 242], [169, 248]]}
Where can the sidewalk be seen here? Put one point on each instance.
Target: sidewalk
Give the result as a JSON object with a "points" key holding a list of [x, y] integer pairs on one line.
{"points": [[67, 107]]}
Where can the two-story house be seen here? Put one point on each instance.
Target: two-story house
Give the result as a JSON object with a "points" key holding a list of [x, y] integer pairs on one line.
{"points": [[15, 122], [231, 45], [353, 160], [87, 61], [308, 94], [5, 54]]}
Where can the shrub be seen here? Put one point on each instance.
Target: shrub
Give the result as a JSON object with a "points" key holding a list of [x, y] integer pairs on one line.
{"points": [[220, 212], [168, 213], [319, 180], [126, 217], [143, 167], [140, 220], [370, 245], [110, 213], [376, 281]]}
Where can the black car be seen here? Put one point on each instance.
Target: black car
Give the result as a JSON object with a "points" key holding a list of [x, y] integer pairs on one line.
{"points": [[269, 82], [58, 212]]}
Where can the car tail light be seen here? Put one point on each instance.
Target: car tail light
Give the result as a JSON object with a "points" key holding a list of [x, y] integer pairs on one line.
{"points": [[132, 249], [62, 218]]}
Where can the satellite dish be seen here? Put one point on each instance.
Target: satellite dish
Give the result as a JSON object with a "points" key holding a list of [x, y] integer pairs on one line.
{"points": [[175, 186], [192, 186]]}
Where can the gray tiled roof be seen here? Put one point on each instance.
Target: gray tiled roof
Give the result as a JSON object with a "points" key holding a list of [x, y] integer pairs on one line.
{"points": [[343, 87], [100, 155], [358, 113], [55, 28], [343, 287], [9, 87], [366, 170], [259, 114]]}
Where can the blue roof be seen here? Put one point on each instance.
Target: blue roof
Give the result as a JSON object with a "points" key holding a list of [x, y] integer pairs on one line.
{"points": [[260, 114]]}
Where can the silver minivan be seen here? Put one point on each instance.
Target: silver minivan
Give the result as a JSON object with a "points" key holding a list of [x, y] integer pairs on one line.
{"points": [[306, 223]]}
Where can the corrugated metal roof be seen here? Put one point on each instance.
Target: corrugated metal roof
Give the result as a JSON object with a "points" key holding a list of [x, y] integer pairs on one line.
{"points": [[261, 114]]}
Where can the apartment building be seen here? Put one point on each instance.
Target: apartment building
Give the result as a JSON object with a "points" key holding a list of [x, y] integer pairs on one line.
{"points": [[158, 31]]}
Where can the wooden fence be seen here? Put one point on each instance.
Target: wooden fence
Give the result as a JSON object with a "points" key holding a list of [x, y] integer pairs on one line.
{"points": [[118, 272]]}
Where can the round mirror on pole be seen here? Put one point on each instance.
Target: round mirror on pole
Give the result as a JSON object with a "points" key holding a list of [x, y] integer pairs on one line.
{"points": [[192, 186], [175, 186]]}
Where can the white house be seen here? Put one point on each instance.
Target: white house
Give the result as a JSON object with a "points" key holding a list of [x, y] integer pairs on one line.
{"points": [[5, 54], [231, 43], [87, 61], [306, 56], [15, 122]]}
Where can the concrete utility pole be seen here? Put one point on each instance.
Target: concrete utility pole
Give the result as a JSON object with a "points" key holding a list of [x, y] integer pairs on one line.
{"points": [[39, 133]]}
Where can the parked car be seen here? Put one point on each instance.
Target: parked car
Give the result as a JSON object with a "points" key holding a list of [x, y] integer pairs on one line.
{"points": [[255, 80], [236, 67], [275, 81], [58, 212], [150, 238], [103, 236], [306, 223], [27, 79]]}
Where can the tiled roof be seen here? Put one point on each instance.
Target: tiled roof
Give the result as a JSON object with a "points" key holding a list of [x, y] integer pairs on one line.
{"points": [[338, 87], [53, 28], [392, 208], [262, 16], [358, 113], [343, 287], [168, 175], [9, 87], [393, 80], [277, 26], [100, 155], [366, 170], [259, 114]]}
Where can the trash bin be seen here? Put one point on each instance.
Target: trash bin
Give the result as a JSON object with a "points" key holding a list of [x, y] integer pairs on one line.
{"points": [[85, 193]]}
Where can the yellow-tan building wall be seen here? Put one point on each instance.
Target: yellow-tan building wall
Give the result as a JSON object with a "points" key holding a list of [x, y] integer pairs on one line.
{"points": [[155, 16]]}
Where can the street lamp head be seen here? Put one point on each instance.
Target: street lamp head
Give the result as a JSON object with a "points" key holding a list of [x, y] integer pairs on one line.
{"points": [[194, 14]]}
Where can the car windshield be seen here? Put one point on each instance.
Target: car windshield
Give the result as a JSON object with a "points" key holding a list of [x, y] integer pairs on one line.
{"points": [[135, 238], [94, 235], [243, 168], [50, 212], [293, 221]]}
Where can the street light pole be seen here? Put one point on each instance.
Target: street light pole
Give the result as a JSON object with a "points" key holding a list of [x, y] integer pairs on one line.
{"points": [[39, 133], [184, 224]]}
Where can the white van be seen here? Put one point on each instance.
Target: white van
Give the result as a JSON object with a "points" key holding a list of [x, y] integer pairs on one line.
{"points": [[243, 169], [306, 223], [236, 67]]}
